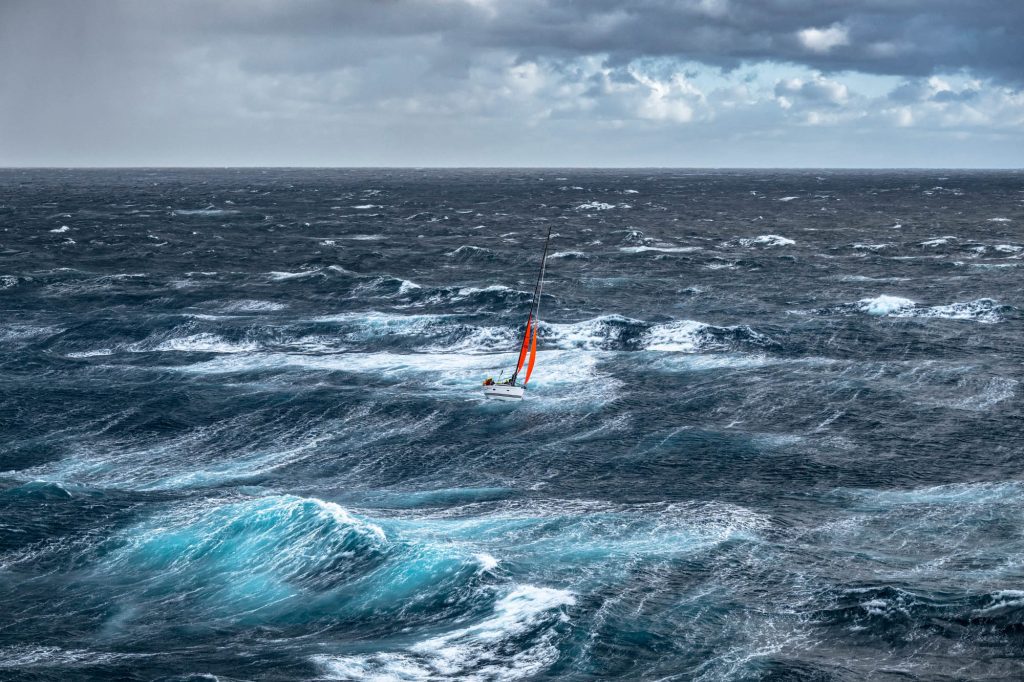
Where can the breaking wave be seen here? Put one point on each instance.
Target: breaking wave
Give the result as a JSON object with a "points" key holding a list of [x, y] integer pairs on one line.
{"points": [[984, 310], [766, 240]]}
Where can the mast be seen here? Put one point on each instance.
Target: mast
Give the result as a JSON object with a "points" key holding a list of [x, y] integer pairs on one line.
{"points": [[534, 310]]}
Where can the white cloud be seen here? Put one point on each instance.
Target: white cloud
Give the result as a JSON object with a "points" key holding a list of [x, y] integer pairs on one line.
{"points": [[822, 40], [674, 99]]}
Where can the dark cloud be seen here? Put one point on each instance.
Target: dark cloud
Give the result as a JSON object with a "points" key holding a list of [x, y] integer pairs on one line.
{"points": [[894, 37]]}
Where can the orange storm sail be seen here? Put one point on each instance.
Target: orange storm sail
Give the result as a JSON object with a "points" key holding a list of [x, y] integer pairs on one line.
{"points": [[533, 357], [510, 389], [529, 336], [525, 347]]}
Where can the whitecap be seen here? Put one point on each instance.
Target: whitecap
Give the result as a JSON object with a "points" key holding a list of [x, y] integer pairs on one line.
{"points": [[408, 287], [197, 343], [467, 250], [1002, 600], [487, 562], [99, 352], [984, 310], [884, 304], [595, 206], [24, 332], [251, 306], [280, 276], [467, 292], [208, 211], [939, 241], [767, 240], [490, 649], [62, 228], [787, 198], [663, 249], [686, 336]]}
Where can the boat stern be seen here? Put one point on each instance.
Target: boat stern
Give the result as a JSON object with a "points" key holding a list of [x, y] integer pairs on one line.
{"points": [[504, 392]]}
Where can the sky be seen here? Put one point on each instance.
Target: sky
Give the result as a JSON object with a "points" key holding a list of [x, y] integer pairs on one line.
{"points": [[564, 83]]}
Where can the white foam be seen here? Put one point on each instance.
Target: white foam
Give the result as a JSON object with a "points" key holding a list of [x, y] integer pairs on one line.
{"points": [[199, 343], [595, 206], [208, 211], [939, 241], [984, 310], [995, 391], [1001, 601], [407, 287], [998, 220], [664, 249], [487, 562], [767, 240], [480, 652], [884, 304], [592, 334], [51, 656], [567, 254], [24, 332], [952, 494], [91, 353], [365, 237], [252, 306], [468, 250], [466, 292], [367, 207], [680, 336], [62, 228], [279, 276]]}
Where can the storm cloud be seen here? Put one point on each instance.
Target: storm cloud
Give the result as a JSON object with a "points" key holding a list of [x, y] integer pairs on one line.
{"points": [[518, 82]]}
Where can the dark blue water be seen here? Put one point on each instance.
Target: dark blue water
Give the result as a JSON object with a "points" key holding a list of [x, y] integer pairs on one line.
{"points": [[774, 431]]}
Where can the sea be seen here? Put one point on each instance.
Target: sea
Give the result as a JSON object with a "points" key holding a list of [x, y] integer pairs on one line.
{"points": [[773, 431]]}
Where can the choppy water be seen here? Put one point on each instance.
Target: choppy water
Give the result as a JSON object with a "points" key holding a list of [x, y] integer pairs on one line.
{"points": [[773, 433]]}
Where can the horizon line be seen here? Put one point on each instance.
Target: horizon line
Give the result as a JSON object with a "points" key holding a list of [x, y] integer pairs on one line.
{"points": [[512, 167]]}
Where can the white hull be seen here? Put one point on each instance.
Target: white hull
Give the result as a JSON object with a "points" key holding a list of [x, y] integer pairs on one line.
{"points": [[504, 392]]}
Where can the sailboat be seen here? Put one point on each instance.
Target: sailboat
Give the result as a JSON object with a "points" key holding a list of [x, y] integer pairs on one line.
{"points": [[510, 389]]}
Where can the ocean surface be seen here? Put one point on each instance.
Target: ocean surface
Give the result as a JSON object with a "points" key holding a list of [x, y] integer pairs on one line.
{"points": [[773, 433]]}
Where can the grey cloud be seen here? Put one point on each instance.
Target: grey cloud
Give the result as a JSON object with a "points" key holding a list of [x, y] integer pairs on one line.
{"points": [[818, 90], [950, 96], [897, 37], [491, 81]]}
